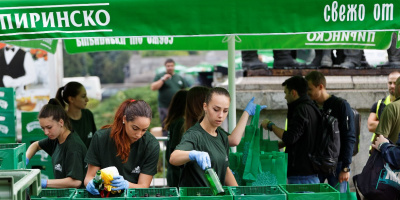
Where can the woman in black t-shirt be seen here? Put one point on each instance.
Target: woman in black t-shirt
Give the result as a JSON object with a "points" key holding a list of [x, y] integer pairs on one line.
{"points": [[74, 95], [65, 147], [205, 144], [127, 145]]}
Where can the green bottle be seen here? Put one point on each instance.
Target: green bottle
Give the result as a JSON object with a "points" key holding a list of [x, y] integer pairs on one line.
{"points": [[214, 182], [97, 180]]}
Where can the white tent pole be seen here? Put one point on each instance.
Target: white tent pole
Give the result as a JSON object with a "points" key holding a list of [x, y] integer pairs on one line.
{"points": [[231, 82]]}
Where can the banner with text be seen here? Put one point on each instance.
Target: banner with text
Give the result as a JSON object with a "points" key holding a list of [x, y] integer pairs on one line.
{"points": [[318, 40], [34, 19]]}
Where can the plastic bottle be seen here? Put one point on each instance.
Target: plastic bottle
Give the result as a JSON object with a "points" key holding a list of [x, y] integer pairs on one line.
{"points": [[97, 180], [214, 181]]}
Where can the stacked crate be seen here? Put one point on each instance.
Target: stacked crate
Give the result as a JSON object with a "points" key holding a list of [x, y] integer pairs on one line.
{"points": [[7, 115], [31, 132]]}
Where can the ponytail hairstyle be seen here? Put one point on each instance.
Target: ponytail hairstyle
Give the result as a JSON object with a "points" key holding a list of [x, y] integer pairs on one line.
{"points": [[131, 109], [71, 89], [194, 105], [56, 111]]}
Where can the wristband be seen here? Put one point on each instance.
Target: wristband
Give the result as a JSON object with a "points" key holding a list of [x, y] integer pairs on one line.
{"points": [[380, 145], [269, 126], [162, 80]]}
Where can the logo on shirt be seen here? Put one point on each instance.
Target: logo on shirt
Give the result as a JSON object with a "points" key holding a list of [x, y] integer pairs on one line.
{"points": [[180, 82], [226, 158], [136, 170], [58, 167], [90, 135]]}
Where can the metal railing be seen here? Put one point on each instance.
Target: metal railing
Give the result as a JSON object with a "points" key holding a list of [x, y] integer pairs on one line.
{"points": [[161, 182]]}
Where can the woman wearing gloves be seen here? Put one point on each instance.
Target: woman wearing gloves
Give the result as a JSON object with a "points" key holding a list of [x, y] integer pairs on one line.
{"points": [[65, 147], [194, 113], [127, 145], [206, 144]]}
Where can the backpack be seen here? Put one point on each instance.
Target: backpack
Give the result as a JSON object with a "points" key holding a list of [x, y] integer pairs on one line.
{"points": [[357, 128], [367, 183], [324, 156]]}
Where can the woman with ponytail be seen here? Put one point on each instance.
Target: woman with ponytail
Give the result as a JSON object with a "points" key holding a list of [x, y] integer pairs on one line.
{"points": [[126, 144], [66, 149], [74, 95]]}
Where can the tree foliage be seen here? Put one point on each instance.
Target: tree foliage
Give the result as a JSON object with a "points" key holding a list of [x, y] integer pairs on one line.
{"points": [[105, 111], [108, 66]]}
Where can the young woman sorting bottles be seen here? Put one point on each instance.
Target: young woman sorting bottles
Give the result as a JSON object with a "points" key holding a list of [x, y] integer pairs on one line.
{"points": [[126, 144], [206, 144], [66, 149]]}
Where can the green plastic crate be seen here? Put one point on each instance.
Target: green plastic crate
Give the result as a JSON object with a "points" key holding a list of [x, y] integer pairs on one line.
{"points": [[310, 192], [192, 193], [153, 193], [12, 156], [28, 140], [30, 124], [14, 184], [54, 194], [45, 167], [4, 140], [84, 194], [257, 192], [7, 124], [7, 100]]}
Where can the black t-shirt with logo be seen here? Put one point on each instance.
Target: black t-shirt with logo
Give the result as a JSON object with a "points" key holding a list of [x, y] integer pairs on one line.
{"points": [[68, 157], [196, 138], [143, 156], [85, 126]]}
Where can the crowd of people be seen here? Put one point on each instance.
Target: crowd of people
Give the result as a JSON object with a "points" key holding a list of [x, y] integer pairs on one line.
{"points": [[192, 118]]}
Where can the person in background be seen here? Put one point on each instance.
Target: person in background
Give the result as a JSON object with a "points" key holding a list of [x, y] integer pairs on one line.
{"points": [[377, 108], [393, 54], [194, 112], [167, 84], [390, 152], [342, 111], [205, 144], [82, 120], [126, 144], [174, 124], [299, 138], [66, 149], [389, 125], [194, 106]]}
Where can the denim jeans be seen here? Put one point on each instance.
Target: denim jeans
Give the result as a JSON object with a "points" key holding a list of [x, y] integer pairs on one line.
{"points": [[311, 179], [333, 179]]}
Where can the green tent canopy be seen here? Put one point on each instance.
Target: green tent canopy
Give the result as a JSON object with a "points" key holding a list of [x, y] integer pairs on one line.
{"points": [[34, 19], [283, 21]]}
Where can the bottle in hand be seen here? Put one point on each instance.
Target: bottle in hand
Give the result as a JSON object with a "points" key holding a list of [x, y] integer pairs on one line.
{"points": [[97, 180], [214, 181]]}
